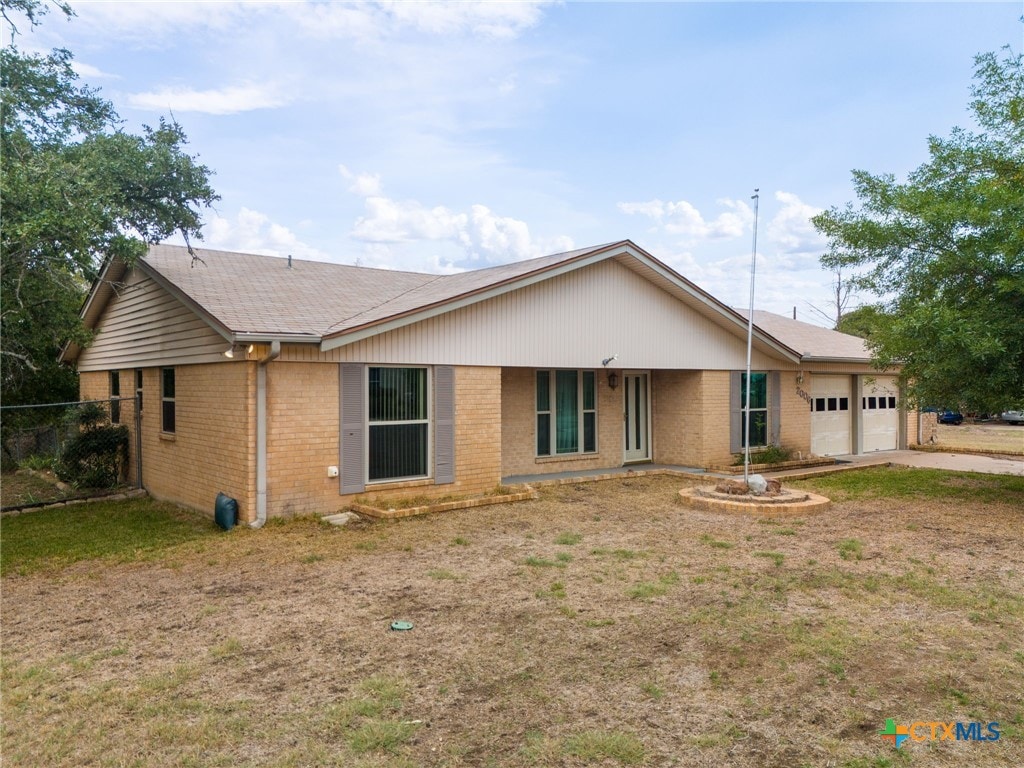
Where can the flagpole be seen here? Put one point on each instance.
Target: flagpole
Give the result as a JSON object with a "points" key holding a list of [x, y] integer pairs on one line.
{"points": [[750, 336]]}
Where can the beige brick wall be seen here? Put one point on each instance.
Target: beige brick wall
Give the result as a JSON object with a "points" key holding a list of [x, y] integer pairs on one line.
{"points": [[519, 428], [714, 392], [678, 419], [795, 414], [95, 385], [303, 405], [929, 427], [302, 438], [478, 409], [213, 447]]}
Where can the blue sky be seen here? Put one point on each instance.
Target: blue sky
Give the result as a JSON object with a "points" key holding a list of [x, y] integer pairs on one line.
{"points": [[439, 137]]}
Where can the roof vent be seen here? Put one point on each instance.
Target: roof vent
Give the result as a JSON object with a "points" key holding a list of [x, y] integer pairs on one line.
{"points": [[289, 261]]}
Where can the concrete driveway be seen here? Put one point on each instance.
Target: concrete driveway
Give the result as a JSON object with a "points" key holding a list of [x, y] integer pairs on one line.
{"points": [[962, 462]]}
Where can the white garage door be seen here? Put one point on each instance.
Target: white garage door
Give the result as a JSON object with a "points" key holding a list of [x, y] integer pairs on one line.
{"points": [[881, 415], [830, 415]]}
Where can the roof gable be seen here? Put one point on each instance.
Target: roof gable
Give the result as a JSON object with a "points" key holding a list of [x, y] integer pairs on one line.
{"points": [[248, 297]]}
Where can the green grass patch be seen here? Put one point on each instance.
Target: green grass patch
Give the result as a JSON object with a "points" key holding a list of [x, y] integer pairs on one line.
{"points": [[540, 562], [775, 557], [715, 544], [645, 590], [381, 735], [906, 482], [619, 554], [555, 592], [569, 539], [599, 746], [443, 574], [120, 530], [17, 489], [851, 549]]}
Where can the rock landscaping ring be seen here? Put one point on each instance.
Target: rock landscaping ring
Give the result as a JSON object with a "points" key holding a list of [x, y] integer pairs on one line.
{"points": [[783, 502]]}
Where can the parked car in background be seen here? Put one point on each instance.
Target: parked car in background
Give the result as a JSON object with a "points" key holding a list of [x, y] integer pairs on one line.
{"points": [[950, 417], [1013, 417]]}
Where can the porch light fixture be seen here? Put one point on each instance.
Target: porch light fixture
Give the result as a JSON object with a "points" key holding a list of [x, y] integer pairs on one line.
{"points": [[234, 349], [613, 378], [799, 377]]}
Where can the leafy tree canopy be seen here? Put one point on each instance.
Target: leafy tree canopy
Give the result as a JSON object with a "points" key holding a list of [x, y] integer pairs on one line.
{"points": [[864, 321], [945, 252], [76, 189]]}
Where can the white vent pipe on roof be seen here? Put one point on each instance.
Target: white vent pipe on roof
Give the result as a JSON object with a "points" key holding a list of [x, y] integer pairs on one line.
{"points": [[261, 434]]}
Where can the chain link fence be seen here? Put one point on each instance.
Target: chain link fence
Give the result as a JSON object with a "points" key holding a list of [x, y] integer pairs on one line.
{"points": [[88, 447]]}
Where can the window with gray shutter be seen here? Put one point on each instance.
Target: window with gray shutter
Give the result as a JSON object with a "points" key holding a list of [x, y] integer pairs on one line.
{"points": [[444, 424], [735, 411], [775, 398], [353, 429]]}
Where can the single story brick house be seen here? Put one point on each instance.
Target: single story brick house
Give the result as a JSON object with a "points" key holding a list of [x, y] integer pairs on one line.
{"points": [[296, 386]]}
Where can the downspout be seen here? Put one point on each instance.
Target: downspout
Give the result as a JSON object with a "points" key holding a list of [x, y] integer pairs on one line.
{"points": [[261, 434]]}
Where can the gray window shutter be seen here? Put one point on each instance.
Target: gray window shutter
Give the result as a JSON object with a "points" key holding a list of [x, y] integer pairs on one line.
{"points": [[444, 424], [775, 405], [735, 412], [353, 428]]}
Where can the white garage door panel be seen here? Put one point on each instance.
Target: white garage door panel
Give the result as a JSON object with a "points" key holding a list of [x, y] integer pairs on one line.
{"points": [[881, 414], [830, 415]]}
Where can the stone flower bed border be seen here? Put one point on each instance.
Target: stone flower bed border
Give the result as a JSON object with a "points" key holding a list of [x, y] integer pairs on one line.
{"points": [[731, 469], [391, 513]]}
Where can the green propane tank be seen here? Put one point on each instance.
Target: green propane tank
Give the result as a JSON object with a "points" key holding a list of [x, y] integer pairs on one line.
{"points": [[225, 512]]}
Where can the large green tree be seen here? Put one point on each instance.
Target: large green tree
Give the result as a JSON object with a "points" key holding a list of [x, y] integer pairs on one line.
{"points": [[76, 188], [944, 250]]}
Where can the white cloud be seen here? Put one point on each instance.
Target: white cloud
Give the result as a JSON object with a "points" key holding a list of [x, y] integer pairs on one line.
{"points": [[216, 101], [88, 70], [146, 22], [481, 234], [482, 17], [682, 218], [791, 227], [253, 232], [363, 184]]}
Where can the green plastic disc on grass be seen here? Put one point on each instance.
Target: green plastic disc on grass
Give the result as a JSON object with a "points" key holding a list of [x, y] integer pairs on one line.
{"points": [[401, 626]]}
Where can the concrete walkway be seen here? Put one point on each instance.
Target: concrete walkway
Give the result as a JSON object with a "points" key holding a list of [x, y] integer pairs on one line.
{"points": [[961, 462]]}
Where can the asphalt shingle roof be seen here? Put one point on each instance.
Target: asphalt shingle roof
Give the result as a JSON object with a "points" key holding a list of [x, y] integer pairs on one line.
{"points": [[252, 294], [248, 293], [809, 340]]}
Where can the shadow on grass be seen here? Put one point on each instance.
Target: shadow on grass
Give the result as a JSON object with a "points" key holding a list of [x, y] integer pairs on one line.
{"points": [[121, 530]]}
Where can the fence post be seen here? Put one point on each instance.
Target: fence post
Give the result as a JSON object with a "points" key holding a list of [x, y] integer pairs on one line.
{"points": [[138, 440]]}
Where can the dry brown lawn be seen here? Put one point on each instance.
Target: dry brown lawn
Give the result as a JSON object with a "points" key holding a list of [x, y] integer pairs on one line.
{"points": [[991, 436], [603, 624]]}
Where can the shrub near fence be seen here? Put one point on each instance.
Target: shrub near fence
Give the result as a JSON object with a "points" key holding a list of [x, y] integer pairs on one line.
{"points": [[79, 443]]}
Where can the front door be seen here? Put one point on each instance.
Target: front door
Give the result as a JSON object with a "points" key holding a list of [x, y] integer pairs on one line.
{"points": [[636, 417]]}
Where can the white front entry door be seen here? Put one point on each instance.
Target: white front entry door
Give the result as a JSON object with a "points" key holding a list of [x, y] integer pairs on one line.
{"points": [[636, 417]]}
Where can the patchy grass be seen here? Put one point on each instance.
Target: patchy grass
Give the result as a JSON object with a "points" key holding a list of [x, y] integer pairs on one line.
{"points": [[915, 483], [647, 646], [851, 549], [122, 530], [599, 746], [20, 488]]}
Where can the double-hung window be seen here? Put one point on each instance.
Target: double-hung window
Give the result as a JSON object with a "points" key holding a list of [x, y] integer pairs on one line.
{"points": [[399, 423], [566, 412], [167, 399], [757, 417]]}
